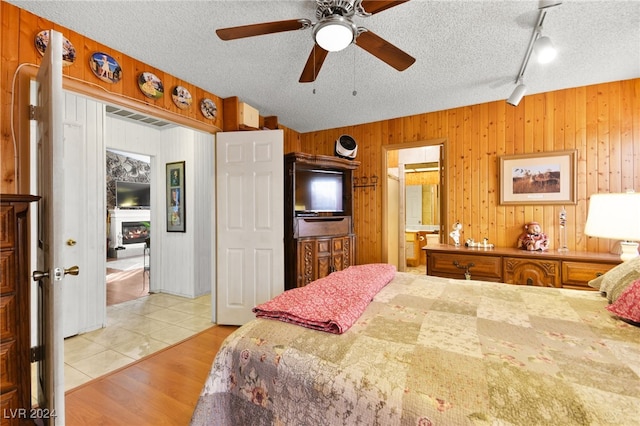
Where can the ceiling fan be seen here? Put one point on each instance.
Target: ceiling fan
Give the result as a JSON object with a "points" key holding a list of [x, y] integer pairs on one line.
{"points": [[333, 32]]}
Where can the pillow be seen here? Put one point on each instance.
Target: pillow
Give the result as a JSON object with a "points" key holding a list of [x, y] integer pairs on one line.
{"points": [[617, 279], [628, 304]]}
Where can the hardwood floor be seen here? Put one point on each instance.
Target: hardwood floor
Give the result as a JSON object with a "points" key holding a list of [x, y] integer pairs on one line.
{"points": [[161, 389], [123, 286]]}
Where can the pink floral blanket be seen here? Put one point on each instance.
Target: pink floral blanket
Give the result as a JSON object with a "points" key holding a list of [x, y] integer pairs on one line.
{"points": [[332, 303]]}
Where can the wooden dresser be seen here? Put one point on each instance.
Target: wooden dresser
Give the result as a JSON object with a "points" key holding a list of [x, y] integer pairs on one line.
{"points": [[15, 286], [514, 266]]}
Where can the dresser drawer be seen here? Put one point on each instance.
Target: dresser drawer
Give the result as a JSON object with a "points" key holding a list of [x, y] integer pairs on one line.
{"points": [[316, 227], [8, 367], [488, 268], [7, 225], [8, 315], [7, 271], [538, 272], [580, 273]]}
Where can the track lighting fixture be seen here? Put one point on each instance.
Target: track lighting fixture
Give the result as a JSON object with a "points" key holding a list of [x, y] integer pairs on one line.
{"points": [[543, 47], [517, 94], [544, 50]]}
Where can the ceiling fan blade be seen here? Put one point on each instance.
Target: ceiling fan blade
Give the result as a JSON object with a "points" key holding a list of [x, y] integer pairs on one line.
{"points": [[313, 65], [375, 6], [385, 51], [243, 31]]}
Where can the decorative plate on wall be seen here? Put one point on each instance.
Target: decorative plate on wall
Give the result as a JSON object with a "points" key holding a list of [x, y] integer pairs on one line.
{"points": [[208, 108], [181, 97], [68, 50], [150, 85], [105, 67]]}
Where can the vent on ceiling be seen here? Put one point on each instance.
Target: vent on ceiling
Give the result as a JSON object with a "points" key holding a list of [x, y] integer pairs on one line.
{"points": [[137, 117]]}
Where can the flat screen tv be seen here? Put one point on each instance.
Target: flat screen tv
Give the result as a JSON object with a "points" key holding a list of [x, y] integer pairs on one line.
{"points": [[133, 195], [318, 191]]}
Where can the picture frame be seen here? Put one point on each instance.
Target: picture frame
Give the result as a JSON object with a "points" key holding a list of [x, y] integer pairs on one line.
{"points": [[538, 178], [175, 204]]}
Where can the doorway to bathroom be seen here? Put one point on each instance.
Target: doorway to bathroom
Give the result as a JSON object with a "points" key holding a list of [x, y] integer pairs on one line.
{"points": [[413, 209]]}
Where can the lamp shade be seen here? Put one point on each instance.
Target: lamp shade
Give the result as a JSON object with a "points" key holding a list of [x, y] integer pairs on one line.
{"points": [[615, 216], [334, 33]]}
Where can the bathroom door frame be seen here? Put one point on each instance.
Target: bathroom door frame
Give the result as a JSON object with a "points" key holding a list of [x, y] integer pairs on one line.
{"points": [[386, 205]]}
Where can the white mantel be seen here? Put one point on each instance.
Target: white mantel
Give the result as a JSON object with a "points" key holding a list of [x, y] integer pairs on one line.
{"points": [[116, 217]]}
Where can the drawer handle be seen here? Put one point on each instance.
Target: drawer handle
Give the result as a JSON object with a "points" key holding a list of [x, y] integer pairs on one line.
{"points": [[324, 219], [467, 274]]}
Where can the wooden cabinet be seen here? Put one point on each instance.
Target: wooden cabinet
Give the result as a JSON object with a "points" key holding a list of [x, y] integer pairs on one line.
{"points": [[317, 242], [318, 257], [413, 247], [15, 359], [515, 266]]}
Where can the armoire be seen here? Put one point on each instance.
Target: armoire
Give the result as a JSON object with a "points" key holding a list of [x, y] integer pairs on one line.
{"points": [[319, 236]]}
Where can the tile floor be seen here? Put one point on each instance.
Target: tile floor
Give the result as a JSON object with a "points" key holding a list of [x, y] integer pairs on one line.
{"points": [[134, 329]]}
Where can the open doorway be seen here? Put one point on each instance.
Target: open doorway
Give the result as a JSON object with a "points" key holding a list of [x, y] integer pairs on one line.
{"points": [[129, 186], [100, 338], [413, 209]]}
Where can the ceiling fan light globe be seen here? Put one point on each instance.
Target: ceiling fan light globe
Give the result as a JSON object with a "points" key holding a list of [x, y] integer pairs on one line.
{"points": [[334, 33]]}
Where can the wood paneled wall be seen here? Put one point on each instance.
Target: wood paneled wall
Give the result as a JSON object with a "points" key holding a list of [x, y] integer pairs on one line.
{"points": [[602, 122], [20, 59]]}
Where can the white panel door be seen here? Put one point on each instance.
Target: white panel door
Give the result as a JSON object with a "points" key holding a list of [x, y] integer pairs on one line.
{"points": [[72, 230], [51, 262], [84, 296], [250, 228]]}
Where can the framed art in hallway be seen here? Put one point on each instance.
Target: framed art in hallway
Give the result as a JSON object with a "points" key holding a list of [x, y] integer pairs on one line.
{"points": [[538, 178], [175, 197]]}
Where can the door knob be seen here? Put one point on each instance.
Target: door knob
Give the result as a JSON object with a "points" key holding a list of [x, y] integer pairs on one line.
{"points": [[74, 270], [71, 242], [58, 273]]}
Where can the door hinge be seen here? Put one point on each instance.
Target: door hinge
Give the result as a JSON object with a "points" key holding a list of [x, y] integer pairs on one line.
{"points": [[32, 112], [37, 353]]}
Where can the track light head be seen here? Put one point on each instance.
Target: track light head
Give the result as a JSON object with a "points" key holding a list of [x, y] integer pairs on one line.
{"points": [[545, 50], [546, 4], [517, 95]]}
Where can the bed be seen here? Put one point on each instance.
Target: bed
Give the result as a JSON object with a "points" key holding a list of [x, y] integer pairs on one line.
{"points": [[435, 351]]}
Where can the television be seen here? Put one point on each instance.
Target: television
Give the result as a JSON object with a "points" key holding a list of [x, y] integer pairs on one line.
{"points": [[133, 195], [318, 191]]}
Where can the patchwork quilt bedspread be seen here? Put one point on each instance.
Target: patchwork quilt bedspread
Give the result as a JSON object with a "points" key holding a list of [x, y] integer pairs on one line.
{"points": [[435, 351]]}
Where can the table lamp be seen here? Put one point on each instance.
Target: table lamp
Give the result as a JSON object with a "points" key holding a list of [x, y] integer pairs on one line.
{"points": [[616, 216]]}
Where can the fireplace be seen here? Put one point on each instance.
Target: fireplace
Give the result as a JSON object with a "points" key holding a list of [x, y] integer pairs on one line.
{"points": [[125, 242], [134, 232]]}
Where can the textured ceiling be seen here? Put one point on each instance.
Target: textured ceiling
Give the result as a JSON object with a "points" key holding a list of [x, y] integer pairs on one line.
{"points": [[467, 52]]}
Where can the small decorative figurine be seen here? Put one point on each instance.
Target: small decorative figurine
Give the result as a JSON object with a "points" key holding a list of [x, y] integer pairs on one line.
{"points": [[533, 239], [484, 244], [455, 234]]}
